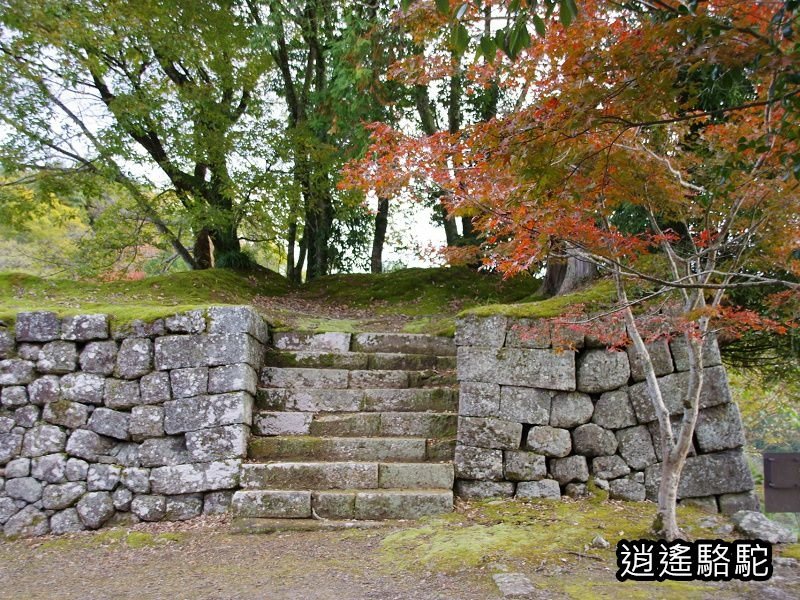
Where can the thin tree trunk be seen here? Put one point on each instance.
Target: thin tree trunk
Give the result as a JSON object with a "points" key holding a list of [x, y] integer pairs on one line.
{"points": [[203, 249], [381, 222], [291, 238]]}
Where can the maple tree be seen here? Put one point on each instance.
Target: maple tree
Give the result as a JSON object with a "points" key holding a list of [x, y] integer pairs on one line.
{"points": [[657, 138]]}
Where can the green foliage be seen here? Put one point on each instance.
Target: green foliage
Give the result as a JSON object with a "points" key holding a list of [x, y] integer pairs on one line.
{"points": [[770, 411]]}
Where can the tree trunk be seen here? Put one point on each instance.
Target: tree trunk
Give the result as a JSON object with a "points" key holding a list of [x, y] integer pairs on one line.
{"points": [[468, 234], [291, 238], [381, 221], [226, 241], [567, 270], [202, 250]]}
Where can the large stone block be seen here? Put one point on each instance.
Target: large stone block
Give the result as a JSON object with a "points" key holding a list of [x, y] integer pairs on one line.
{"points": [[24, 488], [27, 416], [77, 469], [602, 371], [83, 387], [477, 490], [6, 343], [99, 357], [570, 468], [57, 357], [312, 342], [719, 428], [111, 423], [183, 507], [146, 422], [636, 447], [201, 412], [13, 396], [155, 388], [51, 468], [706, 475], [192, 321], [529, 333], [732, 503], [614, 410], [570, 409], [626, 489], [545, 488], [136, 479], [680, 353], [237, 319], [66, 521], [149, 507], [159, 452], [517, 366], [119, 393], [218, 443], [481, 331], [8, 508], [478, 463], [280, 377], [231, 348], [29, 522], [593, 440], [180, 351], [402, 504], [14, 371], [6, 424], [239, 377], [334, 504], [43, 439], [103, 477], [550, 441], [486, 432], [673, 390], [192, 381], [10, 446], [272, 504], [406, 343], [524, 466], [83, 328], [609, 467], [655, 433], [87, 445], [135, 358], [19, 467], [415, 476], [195, 477], [660, 356], [525, 405], [479, 399], [37, 327], [43, 390], [218, 503], [282, 423]]}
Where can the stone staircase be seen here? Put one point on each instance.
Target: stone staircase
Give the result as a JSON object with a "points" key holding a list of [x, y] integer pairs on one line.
{"points": [[351, 427]]}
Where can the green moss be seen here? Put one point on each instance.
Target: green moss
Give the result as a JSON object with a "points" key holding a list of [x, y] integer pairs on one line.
{"points": [[586, 587], [598, 295], [790, 551], [114, 537]]}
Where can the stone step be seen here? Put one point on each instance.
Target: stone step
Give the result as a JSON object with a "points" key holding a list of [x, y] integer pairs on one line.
{"points": [[243, 525], [375, 504], [356, 424], [366, 400], [294, 377], [345, 475], [320, 359], [407, 343], [382, 449]]}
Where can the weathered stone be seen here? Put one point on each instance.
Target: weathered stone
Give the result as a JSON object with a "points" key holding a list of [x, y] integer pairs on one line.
{"points": [[218, 443], [602, 371], [707, 504], [660, 357], [333, 504], [95, 508], [217, 503], [379, 378], [197, 477], [755, 525], [14, 371], [149, 508], [193, 321], [24, 488], [601, 330], [29, 522], [517, 366], [189, 414], [158, 452], [29, 352], [232, 378], [674, 387], [529, 333], [57, 357], [479, 399], [65, 413], [155, 388], [136, 479], [139, 328], [99, 357], [549, 441], [192, 381], [545, 488], [525, 405], [414, 476], [6, 424], [13, 396], [406, 343], [146, 422], [83, 328], [636, 447], [609, 467], [524, 466], [476, 490], [66, 521], [77, 469], [570, 409], [44, 390], [103, 477], [514, 585], [680, 353], [83, 387], [19, 467], [272, 504], [111, 423], [402, 504], [655, 433], [719, 428], [481, 331], [57, 497], [593, 440], [87, 445], [183, 507], [125, 454], [478, 463], [571, 468], [316, 342], [180, 351], [135, 358], [122, 499], [626, 489], [121, 394], [706, 475], [8, 508], [44, 439], [489, 433], [10, 446], [237, 319], [37, 327], [282, 423], [614, 410], [231, 348], [6, 343], [26, 416], [576, 490], [731, 503], [51, 468], [292, 377]]}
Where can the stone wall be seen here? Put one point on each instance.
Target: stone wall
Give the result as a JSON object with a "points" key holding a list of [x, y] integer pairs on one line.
{"points": [[536, 422], [102, 425]]}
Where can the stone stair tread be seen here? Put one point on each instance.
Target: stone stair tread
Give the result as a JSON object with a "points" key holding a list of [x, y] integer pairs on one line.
{"points": [[367, 342], [427, 424], [332, 378], [384, 449], [358, 400], [358, 360], [256, 525]]}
